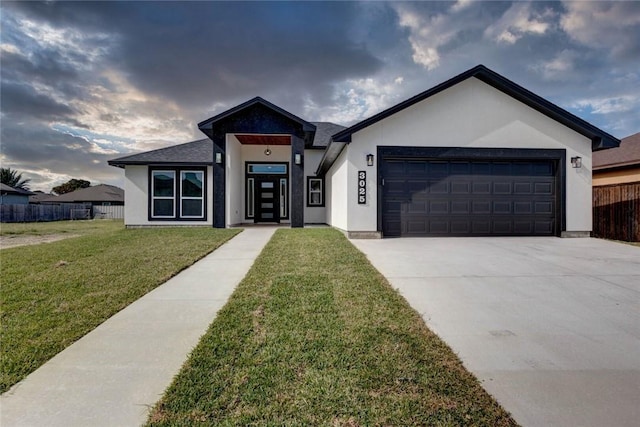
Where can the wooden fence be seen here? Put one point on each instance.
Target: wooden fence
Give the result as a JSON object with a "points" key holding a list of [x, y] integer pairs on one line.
{"points": [[36, 213], [108, 212], [616, 212]]}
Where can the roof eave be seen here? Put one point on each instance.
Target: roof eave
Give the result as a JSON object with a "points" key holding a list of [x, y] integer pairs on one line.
{"points": [[156, 163]]}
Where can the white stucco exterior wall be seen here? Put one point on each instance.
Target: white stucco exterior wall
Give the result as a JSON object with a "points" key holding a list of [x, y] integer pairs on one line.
{"points": [[234, 196], [136, 199], [470, 114], [338, 202]]}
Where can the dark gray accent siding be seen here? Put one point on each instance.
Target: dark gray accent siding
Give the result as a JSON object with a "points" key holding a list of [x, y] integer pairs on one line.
{"points": [[219, 182], [297, 183]]}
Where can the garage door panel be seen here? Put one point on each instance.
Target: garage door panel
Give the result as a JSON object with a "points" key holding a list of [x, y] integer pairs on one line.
{"points": [[543, 188], [419, 207], [460, 207], [523, 227], [480, 168], [524, 188], [544, 227], [460, 227], [523, 207], [440, 197], [480, 207], [460, 187], [481, 187], [502, 227], [543, 208], [438, 207], [502, 187], [502, 208]]}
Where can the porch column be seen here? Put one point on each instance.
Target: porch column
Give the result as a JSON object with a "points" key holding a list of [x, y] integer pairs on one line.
{"points": [[297, 183], [219, 181]]}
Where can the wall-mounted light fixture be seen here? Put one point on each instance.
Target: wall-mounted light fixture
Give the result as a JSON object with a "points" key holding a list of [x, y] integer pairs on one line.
{"points": [[576, 162], [218, 158], [297, 158], [369, 159], [267, 151]]}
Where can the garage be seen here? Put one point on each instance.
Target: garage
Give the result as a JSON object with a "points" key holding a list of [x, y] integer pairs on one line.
{"points": [[473, 193]]}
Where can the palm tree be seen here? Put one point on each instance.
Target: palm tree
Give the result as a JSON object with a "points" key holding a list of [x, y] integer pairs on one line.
{"points": [[13, 178]]}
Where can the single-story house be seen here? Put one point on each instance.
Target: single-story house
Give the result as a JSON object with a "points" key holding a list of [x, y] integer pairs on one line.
{"points": [[38, 196], [97, 195], [477, 155], [619, 165], [13, 196]]}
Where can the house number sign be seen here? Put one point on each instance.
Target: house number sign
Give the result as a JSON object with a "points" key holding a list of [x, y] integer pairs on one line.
{"points": [[362, 187]]}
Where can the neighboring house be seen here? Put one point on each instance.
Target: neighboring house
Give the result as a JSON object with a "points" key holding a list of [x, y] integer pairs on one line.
{"points": [[13, 196], [619, 165], [38, 196], [476, 155], [98, 195]]}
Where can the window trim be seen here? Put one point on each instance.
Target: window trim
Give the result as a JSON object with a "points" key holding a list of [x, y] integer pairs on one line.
{"points": [[201, 198], [154, 197], [255, 177], [177, 194], [309, 192]]}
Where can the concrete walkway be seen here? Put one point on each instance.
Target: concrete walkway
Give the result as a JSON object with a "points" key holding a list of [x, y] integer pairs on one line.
{"points": [[116, 373], [550, 326]]}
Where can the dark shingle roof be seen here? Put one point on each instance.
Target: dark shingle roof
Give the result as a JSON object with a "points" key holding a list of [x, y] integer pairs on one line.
{"points": [[324, 132], [198, 152], [6, 189], [97, 193], [627, 154], [38, 196]]}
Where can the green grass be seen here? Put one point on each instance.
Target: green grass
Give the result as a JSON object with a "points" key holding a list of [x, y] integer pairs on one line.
{"points": [[59, 227], [52, 294], [314, 335]]}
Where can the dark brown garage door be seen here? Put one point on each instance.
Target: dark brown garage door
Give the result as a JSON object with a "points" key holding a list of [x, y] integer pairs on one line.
{"points": [[422, 197]]}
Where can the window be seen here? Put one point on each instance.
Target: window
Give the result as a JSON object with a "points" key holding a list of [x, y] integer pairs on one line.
{"points": [[177, 194], [250, 197], [315, 192], [267, 168], [163, 194], [192, 194], [283, 198]]}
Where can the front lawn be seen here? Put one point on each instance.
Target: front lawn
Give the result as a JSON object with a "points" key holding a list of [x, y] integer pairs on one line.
{"points": [[54, 293], [314, 335]]}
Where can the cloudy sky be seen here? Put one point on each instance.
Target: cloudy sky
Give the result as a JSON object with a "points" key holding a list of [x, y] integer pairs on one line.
{"points": [[85, 82]]}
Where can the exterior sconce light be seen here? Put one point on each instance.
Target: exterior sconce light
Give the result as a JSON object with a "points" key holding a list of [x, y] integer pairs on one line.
{"points": [[267, 151], [369, 159], [297, 158], [576, 162], [219, 158]]}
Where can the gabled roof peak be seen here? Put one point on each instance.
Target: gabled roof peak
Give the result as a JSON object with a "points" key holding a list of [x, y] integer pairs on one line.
{"points": [[208, 124], [599, 139]]}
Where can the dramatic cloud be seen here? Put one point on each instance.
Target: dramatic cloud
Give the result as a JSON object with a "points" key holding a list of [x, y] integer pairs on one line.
{"points": [[85, 82], [518, 21], [608, 26]]}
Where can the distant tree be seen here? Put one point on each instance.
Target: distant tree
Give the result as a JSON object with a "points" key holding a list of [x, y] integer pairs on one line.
{"points": [[13, 178], [71, 185]]}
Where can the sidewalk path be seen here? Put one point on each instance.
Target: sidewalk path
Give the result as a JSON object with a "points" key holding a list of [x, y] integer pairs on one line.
{"points": [[117, 372]]}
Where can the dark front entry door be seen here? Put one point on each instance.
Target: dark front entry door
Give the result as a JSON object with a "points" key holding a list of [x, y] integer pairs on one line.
{"points": [[267, 199]]}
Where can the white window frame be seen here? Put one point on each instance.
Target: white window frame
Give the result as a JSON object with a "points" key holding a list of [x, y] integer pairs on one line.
{"points": [[201, 198], [310, 192], [154, 197]]}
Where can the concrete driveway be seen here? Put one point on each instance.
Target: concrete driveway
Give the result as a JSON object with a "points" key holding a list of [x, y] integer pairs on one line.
{"points": [[550, 326]]}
